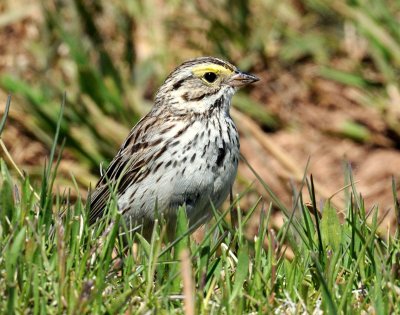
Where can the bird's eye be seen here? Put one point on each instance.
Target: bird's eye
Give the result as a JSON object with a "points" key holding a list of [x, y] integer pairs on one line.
{"points": [[210, 77]]}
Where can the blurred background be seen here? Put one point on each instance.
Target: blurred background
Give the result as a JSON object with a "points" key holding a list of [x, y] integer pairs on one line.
{"points": [[329, 90]]}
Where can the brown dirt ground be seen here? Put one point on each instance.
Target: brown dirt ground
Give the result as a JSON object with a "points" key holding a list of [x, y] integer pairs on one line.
{"points": [[314, 109], [310, 108]]}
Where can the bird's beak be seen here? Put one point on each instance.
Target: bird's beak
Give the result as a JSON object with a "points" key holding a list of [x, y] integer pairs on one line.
{"points": [[239, 79]]}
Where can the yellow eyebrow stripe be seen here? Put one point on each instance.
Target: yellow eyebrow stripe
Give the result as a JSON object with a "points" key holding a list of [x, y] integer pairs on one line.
{"points": [[202, 69]]}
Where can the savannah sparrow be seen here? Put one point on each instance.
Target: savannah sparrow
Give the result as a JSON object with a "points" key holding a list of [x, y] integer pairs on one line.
{"points": [[185, 151]]}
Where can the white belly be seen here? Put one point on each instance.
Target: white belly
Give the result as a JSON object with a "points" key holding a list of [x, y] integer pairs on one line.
{"points": [[200, 169]]}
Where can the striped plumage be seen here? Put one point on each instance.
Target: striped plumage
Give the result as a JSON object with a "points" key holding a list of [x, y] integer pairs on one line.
{"points": [[185, 151]]}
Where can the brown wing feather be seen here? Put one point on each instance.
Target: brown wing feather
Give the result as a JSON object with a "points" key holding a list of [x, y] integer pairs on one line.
{"points": [[124, 168]]}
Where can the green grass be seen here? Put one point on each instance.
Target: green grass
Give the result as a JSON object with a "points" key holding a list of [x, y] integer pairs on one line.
{"points": [[52, 264]]}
